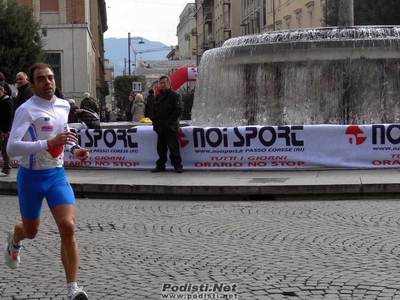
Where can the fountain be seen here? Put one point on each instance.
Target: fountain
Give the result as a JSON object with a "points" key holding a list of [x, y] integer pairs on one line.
{"points": [[341, 75]]}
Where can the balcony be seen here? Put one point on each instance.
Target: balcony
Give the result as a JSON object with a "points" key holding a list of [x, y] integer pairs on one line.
{"points": [[210, 38], [204, 45], [208, 18], [193, 31], [227, 27]]}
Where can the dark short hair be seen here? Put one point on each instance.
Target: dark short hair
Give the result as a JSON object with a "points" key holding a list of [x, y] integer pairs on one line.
{"points": [[151, 92], [33, 68], [165, 77], [2, 78]]}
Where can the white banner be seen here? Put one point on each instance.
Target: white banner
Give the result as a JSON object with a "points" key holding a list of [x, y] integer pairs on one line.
{"points": [[192, 73], [247, 147]]}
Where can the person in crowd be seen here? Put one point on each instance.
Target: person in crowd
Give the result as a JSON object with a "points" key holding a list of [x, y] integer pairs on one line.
{"points": [[73, 116], [38, 136], [150, 104], [24, 89], [138, 108], [187, 106], [113, 116], [89, 102], [58, 93], [5, 85], [6, 117], [104, 114], [128, 108], [165, 118], [120, 116]]}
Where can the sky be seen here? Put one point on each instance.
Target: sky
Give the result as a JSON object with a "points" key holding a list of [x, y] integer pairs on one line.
{"points": [[155, 20]]}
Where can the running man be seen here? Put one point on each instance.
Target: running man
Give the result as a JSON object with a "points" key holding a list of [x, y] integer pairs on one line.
{"points": [[39, 134]]}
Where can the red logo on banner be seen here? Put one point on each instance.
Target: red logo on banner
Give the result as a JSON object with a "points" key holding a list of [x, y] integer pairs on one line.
{"points": [[354, 131], [181, 136]]}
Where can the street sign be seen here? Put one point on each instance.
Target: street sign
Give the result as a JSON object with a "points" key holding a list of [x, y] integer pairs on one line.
{"points": [[136, 86]]}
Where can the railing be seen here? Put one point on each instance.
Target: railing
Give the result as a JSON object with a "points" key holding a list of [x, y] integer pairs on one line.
{"points": [[208, 17], [204, 45], [227, 27]]}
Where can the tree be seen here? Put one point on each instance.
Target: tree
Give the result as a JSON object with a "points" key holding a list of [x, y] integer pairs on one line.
{"points": [[21, 43], [123, 87], [366, 12], [330, 12]]}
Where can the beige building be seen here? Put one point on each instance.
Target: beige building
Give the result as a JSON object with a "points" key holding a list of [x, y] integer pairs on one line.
{"points": [[73, 35], [274, 15], [216, 21], [187, 42], [108, 79]]}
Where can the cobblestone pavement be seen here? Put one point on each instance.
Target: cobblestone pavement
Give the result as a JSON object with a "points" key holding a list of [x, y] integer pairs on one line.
{"points": [[252, 250]]}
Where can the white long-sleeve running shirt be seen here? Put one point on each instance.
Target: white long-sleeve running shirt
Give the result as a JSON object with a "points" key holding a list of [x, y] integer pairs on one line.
{"points": [[35, 121]]}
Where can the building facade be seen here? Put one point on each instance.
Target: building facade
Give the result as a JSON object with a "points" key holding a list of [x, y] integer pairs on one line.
{"points": [[274, 15], [216, 21], [219, 20], [73, 35], [108, 79], [187, 42]]}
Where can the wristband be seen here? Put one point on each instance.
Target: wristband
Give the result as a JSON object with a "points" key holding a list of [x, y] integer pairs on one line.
{"points": [[76, 146]]}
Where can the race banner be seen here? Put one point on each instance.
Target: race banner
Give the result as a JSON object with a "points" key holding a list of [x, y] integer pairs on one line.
{"points": [[246, 147]]}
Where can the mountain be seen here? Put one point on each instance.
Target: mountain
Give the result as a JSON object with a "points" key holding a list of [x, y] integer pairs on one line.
{"points": [[116, 50]]}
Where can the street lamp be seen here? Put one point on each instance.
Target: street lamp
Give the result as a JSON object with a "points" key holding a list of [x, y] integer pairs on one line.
{"points": [[129, 51], [135, 52]]}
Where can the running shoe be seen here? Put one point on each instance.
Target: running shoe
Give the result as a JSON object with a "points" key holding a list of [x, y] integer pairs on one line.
{"points": [[11, 254], [78, 294]]}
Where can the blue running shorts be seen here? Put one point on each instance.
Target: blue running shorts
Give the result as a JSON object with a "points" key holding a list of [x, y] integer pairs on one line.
{"points": [[34, 185]]}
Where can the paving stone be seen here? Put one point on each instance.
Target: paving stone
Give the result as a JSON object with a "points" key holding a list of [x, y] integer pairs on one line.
{"points": [[270, 249]]}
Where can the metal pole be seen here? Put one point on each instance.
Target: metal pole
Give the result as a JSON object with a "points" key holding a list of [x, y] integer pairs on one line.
{"points": [[273, 13], [129, 53], [134, 53]]}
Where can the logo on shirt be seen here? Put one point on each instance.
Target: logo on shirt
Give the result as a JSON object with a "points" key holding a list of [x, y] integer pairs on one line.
{"points": [[47, 128], [56, 151]]}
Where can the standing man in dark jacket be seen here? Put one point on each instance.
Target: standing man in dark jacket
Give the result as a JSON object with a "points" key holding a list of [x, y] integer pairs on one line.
{"points": [[150, 100], [6, 117], [24, 89], [165, 118]]}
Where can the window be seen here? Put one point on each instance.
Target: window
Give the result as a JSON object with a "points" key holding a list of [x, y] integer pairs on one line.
{"points": [[278, 25], [264, 12], [54, 60], [310, 9], [48, 6], [298, 17]]}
